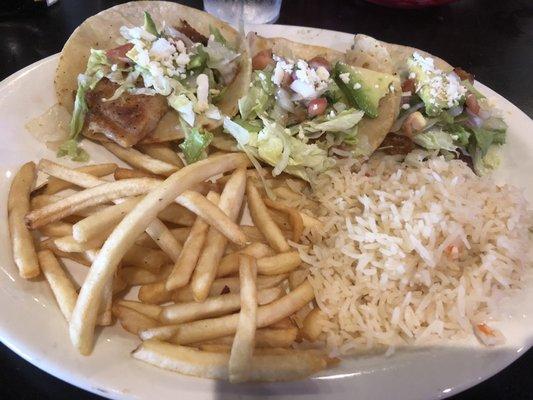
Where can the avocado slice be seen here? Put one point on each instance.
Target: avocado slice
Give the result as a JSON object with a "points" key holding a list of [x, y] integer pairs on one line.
{"points": [[437, 89], [363, 87]]}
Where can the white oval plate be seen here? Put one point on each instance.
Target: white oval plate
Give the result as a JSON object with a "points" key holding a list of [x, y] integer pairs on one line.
{"points": [[32, 326]]}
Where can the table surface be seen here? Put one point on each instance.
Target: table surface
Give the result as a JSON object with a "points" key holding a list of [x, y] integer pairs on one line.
{"points": [[492, 39]]}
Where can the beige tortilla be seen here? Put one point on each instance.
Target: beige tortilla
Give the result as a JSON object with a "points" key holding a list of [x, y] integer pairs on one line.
{"points": [[101, 31], [291, 50], [374, 54]]}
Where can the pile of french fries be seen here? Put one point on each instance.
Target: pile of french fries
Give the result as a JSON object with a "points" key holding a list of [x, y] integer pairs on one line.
{"points": [[216, 298]]}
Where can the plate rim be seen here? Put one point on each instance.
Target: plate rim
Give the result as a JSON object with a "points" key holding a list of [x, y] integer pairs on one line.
{"points": [[48, 365]]}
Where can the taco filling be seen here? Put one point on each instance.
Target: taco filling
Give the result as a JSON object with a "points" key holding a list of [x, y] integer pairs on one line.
{"points": [[442, 111], [300, 113], [126, 90]]}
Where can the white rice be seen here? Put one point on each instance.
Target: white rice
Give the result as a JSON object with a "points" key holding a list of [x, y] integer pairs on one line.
{"points": [[412, 252]]}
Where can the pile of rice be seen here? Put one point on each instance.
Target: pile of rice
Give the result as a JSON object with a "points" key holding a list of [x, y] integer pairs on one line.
{"points": [[412, 252]]}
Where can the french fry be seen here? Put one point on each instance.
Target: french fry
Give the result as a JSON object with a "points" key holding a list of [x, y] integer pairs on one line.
{"points": [[294, 215], [80, 258], [55, 185], [62, 287], [89, 197], [84, 316], [226, 285], [215, 242], [297, 277], [265, 338], [139, 160], [150, 310], [154, 293], [242, 349], [264, 367], [18, 204], [213, 328], [126, 173], [181, 234], [44, 200], [138, 276], [279, 264], [162, 152], [159, 232], [105, 316], [212, 306], [133, 321], [146, 258], [215, 348], [263, 221], [283, 324], [218, 217], [57, 229], [312, 327], [156, 229], [69, 245], [184, 266], [119, 284], [230, 263], [177, 214], [280, 219], [102, 221]]}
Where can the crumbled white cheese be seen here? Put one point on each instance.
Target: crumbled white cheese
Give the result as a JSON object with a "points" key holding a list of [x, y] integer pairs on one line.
{"points": [[202, 92], [282, 66], [162, 49], [345, 77], [308, 83], [444, 87], [357, 86], [412, 75], [392, 89], [405, 106]]}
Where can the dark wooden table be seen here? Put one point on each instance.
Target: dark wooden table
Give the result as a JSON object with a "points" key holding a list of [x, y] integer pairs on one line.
{"points": [[492, 39]]}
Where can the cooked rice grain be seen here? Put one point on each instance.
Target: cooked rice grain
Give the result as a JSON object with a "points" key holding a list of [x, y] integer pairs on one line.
{"points": [[412, 252]]}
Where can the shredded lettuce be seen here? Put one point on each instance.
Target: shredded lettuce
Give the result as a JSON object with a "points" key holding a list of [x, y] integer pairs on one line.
{"points": [[149, 24], [459, 134], [485, 138], [222, 59], [340, 122], [466, 83], [483, 164], [194, 145], [184, 106], [435, 139], [240, 133], [94, 72], [217, 35], [277, 147], [260, 97], [199, 60]]}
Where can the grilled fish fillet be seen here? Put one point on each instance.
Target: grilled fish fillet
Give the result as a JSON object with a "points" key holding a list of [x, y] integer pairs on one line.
{"points": [[126, 120]]}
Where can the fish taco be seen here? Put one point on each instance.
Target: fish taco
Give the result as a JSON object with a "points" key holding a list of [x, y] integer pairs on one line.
{"points": [[307, 106], [441, 110], [145, 71]]}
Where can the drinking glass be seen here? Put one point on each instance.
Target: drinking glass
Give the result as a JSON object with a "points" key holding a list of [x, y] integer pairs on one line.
{"points": [[252, 11]]}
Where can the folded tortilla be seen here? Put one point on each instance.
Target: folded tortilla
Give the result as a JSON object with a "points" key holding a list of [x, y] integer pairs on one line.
{"points": [[101, 31], [371, 131]]}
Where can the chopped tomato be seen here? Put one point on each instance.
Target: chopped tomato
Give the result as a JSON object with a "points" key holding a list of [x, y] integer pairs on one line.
{"points": [[317, 107], [318, 61], [408, 86], [472, 104], [118, 54]]}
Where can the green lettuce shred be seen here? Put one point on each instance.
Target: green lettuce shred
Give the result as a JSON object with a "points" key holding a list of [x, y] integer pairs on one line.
{"points": [[194, 145], [149, 24]]}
